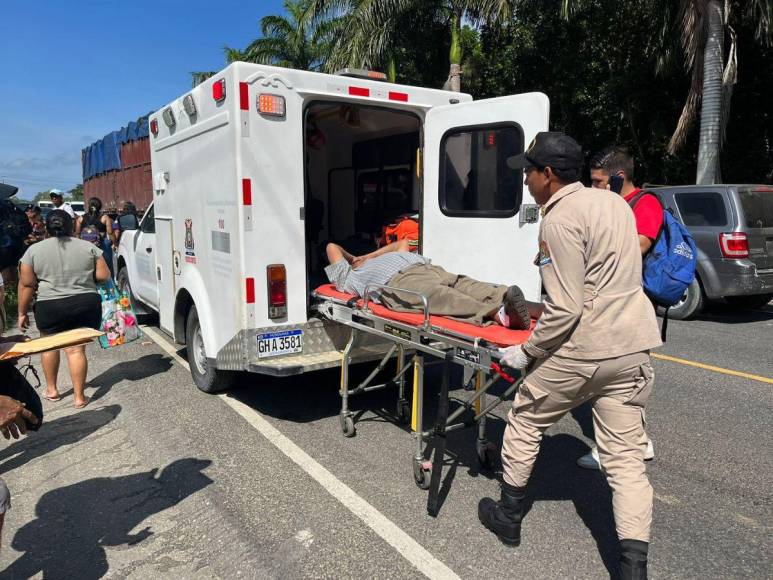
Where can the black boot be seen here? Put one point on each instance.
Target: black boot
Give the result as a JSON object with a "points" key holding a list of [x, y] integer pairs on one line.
{"points": [[503, 517], [633, 559]]}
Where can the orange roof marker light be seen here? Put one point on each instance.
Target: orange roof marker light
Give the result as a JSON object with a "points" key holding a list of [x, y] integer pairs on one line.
{"points": [[361, 73], [271, 105]]}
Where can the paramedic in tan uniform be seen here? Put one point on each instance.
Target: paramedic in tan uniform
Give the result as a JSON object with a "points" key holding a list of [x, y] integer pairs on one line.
{"points": [[591, 343]]}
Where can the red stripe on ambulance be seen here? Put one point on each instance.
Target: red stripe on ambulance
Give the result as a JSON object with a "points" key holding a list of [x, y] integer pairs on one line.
{"points": [[247, 191], [250, 283], [359, 92], [244, 97]]}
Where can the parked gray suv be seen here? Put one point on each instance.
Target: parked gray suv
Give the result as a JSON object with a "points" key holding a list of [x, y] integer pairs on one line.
{"points": [[733, 229]]}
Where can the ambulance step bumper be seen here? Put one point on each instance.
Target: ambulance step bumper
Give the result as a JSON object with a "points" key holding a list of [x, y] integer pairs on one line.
{"points": [[303, 363]]}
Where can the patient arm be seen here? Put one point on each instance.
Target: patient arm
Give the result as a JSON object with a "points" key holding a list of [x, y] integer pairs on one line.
{"points": [[336, 253]]}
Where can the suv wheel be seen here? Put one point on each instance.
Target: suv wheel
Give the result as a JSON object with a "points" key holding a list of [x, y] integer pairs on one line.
{"points": [[757, 301], [206, 377], [690, 304]]}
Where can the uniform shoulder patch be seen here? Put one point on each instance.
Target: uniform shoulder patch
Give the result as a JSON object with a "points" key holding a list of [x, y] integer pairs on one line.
{"points": [[543, 257]]}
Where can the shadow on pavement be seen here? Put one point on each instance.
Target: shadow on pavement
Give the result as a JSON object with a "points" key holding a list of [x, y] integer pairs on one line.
{"points": [[734, 314], [133, 370], [75, 523], [54, 434], [557, 478]]}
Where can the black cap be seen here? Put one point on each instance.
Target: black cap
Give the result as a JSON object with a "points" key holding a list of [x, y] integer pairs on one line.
{"points": [[550, 149]]}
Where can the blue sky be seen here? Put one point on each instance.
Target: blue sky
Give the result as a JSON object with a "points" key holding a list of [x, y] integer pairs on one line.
{"points": [[74, 70]]}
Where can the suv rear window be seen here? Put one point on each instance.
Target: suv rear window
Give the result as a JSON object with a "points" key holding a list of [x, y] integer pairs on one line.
{"points": [[702, 208], [757, 207]]}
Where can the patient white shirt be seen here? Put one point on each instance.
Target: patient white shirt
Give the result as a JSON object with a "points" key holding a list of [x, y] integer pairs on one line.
{"points": [[378, 270]]}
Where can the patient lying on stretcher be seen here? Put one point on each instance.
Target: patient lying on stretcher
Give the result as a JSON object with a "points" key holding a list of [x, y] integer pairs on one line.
{"points": [[452, 295]]}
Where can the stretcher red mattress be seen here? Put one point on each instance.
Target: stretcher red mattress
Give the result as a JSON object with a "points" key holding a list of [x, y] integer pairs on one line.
{"points": [[494, 333]]}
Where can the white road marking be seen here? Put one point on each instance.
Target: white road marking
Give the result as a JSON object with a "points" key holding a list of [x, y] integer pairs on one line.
{"points": [[404, 544]]}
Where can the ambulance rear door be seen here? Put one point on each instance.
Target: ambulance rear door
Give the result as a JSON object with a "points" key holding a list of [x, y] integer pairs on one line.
{"points": [[478, 217]]}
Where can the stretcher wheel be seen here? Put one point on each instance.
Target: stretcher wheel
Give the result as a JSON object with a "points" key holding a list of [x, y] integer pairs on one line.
{"points": [[487, 455], [347, 425], [422, 473], [403, 411]]}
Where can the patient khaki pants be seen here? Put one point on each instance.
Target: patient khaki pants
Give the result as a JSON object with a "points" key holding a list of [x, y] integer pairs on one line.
{"points": [[618, 388], [451, 295]]}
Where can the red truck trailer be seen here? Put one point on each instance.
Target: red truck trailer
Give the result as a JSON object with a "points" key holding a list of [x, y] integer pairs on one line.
{"points": [[116, 168]]}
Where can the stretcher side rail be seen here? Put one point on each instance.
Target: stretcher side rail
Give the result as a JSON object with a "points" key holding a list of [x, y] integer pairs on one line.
{"points": [[424, 299]]}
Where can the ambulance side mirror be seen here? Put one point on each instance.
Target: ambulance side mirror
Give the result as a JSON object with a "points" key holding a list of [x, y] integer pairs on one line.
{"points": [[128, 222]]}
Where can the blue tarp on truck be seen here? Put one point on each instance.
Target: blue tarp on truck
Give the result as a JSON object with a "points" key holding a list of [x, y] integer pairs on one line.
{"points": [[105, 155]]}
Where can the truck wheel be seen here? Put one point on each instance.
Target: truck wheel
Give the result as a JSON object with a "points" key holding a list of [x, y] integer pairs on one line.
{"points": [[690, 304], [757, 301], [206, 377]]}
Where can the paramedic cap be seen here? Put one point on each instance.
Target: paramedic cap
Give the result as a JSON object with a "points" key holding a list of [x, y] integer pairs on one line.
{"points": [[549, 149], [55, 193]]}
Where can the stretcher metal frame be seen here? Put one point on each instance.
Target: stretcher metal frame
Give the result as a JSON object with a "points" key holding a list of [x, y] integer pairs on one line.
{"points": [[412, 344]]}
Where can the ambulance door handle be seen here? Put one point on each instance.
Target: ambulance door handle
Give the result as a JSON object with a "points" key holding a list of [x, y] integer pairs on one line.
{"points": [[148, 250]]}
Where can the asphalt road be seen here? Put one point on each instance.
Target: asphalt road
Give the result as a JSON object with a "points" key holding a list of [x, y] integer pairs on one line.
{"points": [[157, 480]]}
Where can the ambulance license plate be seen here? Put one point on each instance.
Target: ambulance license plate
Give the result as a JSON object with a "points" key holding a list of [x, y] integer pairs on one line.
{"points": [[277, 343]]}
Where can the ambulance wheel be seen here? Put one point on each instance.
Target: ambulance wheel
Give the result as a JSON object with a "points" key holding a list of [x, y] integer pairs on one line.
{"points": [[347, 426], [487, 455], [690, 304], [422, 473], [206, 377], [403, 411]]}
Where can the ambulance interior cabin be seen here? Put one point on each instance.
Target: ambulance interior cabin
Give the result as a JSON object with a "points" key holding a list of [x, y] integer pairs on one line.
{"points": [[360, 176]]}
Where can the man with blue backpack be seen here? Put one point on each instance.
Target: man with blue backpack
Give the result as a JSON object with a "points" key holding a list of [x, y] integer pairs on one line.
{"points": [[668, 253]]}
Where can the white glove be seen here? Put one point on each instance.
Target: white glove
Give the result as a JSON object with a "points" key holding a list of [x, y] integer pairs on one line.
{"points": [[515, 357]]}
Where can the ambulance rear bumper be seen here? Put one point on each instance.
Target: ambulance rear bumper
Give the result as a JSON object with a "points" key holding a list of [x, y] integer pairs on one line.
{"points": [[323, 344]]}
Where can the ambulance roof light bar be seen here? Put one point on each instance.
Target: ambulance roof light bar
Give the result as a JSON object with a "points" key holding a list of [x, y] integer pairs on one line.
{"points": [[361, 73]]}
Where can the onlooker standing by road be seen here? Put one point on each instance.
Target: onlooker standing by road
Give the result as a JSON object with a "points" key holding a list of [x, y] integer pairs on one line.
{"points": [[38, 225], [648, 213], [65, 271], [57, 198], [591, 343], [97, 229]]}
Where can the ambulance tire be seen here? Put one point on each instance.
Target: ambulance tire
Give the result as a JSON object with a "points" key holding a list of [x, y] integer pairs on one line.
{"points": [[205, 376]]}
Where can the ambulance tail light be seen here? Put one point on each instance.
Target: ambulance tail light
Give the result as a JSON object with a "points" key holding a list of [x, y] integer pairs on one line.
{"points": [[276, 276], [218, 90], [154, 127], [271, 105], [734, 245]]}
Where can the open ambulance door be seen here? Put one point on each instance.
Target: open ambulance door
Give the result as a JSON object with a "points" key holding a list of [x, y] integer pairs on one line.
{"points": [[478, 217]]}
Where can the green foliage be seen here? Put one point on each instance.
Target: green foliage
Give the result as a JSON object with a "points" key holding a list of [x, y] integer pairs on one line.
{"points": [[76, 193]]}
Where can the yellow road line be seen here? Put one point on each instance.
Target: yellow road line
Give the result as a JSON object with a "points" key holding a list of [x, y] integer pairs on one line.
{"points": [[730, 372]]}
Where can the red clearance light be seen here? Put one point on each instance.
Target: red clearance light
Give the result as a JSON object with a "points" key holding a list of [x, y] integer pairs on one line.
{"points": [[359, 92], [218, 90], [154, 127], [393, 96], [734, 245], [271, 105], [376, 75], [244, 97], [250, 290], [276, 276], [247, 191]]}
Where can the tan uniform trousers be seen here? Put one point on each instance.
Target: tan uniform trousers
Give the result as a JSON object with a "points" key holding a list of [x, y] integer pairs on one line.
{"points": [[451, 295], [618, 388]]}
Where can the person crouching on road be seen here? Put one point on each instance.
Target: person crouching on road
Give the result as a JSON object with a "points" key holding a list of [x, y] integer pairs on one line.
{"points": [[65, 271], [591, 343]]}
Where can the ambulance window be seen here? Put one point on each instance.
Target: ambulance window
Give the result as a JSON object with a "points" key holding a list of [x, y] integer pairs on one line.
{"points": [[148, 225], [474, 177]]}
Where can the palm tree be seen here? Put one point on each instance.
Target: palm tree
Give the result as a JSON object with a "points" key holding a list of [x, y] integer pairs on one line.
{"points": [[369, 28], [704, 26], [701, 27], [292, 41]]}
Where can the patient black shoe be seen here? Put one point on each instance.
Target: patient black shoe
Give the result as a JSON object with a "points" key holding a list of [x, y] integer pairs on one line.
{"points": [[516, 309], [503, 517]]}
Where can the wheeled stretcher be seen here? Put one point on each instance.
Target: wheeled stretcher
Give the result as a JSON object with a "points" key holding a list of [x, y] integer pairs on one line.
{"points": [[412, 337]]}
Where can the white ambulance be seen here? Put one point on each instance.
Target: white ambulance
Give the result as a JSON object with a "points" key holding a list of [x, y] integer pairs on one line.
{"points": [[256, 169]]}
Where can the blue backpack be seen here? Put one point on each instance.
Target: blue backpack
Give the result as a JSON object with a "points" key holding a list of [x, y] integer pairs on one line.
{"points": [[668, 268]]}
